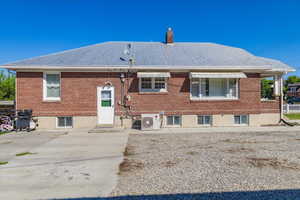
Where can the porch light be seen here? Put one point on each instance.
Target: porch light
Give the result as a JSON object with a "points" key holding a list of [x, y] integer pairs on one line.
{"points": [[122, 77]]}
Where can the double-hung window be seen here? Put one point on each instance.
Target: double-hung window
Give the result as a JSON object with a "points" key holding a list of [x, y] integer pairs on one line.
{"points": [[153, 81], [158, 84], [214, 88], [51, 86]]}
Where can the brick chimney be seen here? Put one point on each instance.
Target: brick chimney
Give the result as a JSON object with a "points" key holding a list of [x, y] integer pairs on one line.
{"points": [[169, 36]]}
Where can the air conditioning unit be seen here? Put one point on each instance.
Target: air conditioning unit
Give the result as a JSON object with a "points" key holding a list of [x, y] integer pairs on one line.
{"points": [[150, 122]]}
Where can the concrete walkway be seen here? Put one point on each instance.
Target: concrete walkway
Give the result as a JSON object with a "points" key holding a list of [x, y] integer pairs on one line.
{"points": [[76, 164]]}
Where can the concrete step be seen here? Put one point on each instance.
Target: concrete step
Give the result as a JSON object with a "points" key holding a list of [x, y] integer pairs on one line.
{"points": [[104, 126]]}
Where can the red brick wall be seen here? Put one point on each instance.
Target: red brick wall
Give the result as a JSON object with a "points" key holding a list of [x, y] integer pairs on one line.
{"points": [[78, 93], [78, 96]]}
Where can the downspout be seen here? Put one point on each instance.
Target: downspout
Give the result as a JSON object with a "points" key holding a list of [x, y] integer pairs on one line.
{"points": [[281, 97], [16, 93], [122, 79]]}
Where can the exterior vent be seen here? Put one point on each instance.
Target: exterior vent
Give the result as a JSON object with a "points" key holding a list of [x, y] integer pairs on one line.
{"points": [[150, 122]]}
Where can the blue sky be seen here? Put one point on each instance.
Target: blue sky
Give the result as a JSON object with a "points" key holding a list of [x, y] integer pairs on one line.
{"points": [[269, 28]]}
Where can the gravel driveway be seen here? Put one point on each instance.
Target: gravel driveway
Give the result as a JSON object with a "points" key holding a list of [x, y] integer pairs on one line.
{"points": [[211, 166]]}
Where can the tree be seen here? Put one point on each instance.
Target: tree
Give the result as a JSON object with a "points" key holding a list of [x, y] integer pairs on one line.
{"points": [[291, 80], [7, 86], [267, 88]]}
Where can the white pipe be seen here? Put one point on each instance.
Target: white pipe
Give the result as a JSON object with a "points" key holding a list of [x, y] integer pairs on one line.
{"points": [[281, 97]]}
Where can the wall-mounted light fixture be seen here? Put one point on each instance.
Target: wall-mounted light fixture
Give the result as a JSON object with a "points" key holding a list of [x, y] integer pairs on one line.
{"points": [[122, 77]]}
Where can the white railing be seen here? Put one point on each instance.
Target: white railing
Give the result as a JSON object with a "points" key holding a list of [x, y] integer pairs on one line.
{"points": [[291, 108]]}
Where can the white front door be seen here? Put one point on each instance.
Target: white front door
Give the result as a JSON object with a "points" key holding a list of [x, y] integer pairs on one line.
{"points": [[105, 104]]}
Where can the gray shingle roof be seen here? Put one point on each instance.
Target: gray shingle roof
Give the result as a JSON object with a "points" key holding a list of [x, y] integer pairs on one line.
{"points": [[111, 54]]}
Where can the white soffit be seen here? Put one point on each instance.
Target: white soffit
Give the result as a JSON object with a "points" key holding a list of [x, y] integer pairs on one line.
{"points": [[153, 74], [217, 75]]}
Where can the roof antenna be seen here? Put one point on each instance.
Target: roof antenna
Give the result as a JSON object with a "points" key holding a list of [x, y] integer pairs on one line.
{"points": [[128, 52]]}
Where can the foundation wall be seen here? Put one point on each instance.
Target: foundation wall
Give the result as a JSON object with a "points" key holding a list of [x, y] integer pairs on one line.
{"points": [[187, 121], [269, 118]]}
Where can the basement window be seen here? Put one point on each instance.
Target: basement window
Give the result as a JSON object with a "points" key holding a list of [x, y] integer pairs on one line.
{"points": [[241, 119], [64, 122], [174, 120], [204, 120]]}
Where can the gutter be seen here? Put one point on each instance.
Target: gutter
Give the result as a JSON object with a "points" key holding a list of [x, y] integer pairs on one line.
{"points": [[146, 67]]}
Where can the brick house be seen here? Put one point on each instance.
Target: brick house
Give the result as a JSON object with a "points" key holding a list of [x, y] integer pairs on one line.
{"points": [[293, 90], [114, 83]]}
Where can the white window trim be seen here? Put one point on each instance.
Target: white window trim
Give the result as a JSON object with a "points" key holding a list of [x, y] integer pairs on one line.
{"points": [[215, 98], [45, 98], [64, 126], [153, 86]]}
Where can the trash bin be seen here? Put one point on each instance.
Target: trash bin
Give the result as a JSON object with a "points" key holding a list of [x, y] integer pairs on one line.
{"points": [[23, 120]]}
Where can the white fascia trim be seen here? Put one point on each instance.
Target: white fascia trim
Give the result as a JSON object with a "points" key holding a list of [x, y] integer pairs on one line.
{"points": [[283, 70], [147, 67]]}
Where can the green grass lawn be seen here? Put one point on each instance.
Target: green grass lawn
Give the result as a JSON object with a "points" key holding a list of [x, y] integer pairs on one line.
{"points": [[2, 133], [24, 154], [293, 116]]}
